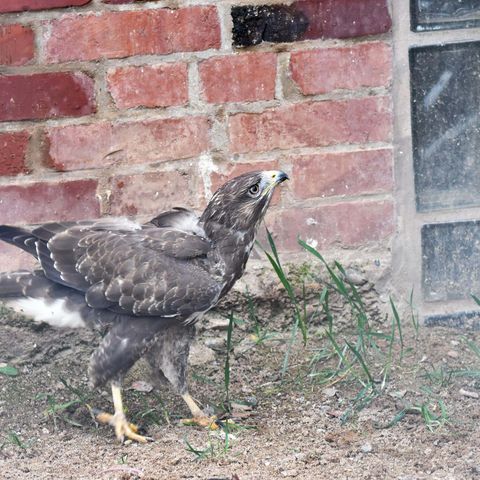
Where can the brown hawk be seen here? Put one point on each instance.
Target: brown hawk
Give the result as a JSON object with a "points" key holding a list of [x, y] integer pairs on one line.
{"points": [[145, 285]]}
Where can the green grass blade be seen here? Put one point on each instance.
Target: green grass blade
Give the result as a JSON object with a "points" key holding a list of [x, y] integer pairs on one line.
{"points": [[273, 246], [362, 363], [288, 287], [477, 300], [286, 358], [473, 347], [412, 314], [397, 320], [226, 368]]}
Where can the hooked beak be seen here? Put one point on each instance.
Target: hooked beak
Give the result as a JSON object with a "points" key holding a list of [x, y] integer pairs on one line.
{"points": [[281, 177]]}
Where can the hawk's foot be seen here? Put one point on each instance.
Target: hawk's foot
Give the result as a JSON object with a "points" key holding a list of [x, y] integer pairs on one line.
{"points": [[123, 429], [202, 421]]}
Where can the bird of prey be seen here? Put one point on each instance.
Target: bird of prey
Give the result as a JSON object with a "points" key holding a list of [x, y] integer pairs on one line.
{"points": [[143, 286]]}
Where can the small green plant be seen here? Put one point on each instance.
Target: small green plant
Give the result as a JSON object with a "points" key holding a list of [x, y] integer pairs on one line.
{"points": [[148, 413], [298, 311], [218, 443], [15, 440], [58, 410], [9, 371], [260, 334], [226, 367]]}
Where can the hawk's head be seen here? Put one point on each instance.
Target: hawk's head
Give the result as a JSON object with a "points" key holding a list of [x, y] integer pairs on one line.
{"points": [[240, 204]]}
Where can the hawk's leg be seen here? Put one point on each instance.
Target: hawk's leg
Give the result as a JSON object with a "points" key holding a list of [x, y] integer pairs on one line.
{"points": [[198, 416], [168, 357], [118, 420]]}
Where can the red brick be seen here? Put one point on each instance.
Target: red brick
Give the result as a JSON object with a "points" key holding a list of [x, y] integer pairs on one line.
{"points": [[13, 259], [149, 86], [119, 2], [46, 95], [98, 145], [327, 69], [233, 169], [352, 173], [349, 224], [239, 78], [13, 150], [16, 44], [344, 18], [38, 202], [312, 124], [21, 5], [151, 193], [123, 34]]}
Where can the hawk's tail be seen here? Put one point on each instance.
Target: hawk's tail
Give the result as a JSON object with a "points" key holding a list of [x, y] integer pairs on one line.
{"points": [[35, 296], [16, 284]]}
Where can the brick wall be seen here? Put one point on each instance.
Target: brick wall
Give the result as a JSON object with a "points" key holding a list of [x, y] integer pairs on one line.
{"points": [[127, 107]]}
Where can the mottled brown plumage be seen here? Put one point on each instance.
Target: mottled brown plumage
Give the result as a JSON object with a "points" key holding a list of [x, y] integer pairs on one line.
{"points": [[144, 285]]}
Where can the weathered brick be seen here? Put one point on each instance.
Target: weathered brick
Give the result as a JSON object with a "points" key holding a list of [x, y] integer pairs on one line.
{"points": [[13, 150], [119, 2], [347, 173], [98, 145], [13, 259], [127, 33], [151, 193], [45, 95], [312, 124], [16, 44], [344, 18], [309, 19], [327, 69], [349, 224], [38, 202], [233, 169], [21, 5], [239, 78], [149, 86]]}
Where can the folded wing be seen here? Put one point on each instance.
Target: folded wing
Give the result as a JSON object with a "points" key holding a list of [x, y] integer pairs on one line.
{"points": [[159, 269]]}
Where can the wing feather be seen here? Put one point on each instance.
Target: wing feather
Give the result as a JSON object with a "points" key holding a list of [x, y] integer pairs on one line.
{"points": [[159, 269]]}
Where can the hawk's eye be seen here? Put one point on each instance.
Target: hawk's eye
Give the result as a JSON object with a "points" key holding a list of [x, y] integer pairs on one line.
{"points": [[254, 190]]}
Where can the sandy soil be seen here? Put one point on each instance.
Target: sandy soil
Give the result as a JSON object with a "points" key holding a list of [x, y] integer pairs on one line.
{"points": [[293, 430]]}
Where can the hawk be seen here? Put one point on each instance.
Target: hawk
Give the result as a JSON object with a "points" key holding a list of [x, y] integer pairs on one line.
{"points": [[143, 286]]}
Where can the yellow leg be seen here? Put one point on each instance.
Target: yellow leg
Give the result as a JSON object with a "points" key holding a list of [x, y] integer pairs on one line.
{"points": [[199, 418], [118, 420]]}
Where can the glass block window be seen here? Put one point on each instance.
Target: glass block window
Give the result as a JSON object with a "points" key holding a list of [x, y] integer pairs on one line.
{"points": [[451, 260], [445, 101], [443, 14]]}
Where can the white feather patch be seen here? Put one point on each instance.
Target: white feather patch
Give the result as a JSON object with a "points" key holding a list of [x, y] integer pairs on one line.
{"points": [[54, 313]]}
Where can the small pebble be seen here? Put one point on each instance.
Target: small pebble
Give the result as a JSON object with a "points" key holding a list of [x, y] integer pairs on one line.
{"points": [[290, 473], [467, 393], [330, 392], [366, 447], [452, 354]]}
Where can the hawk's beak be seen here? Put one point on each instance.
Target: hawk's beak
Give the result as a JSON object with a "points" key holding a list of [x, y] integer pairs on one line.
{"points": [[272, 178], [281, 177]]}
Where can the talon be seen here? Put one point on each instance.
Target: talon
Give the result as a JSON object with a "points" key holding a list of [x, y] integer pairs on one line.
{"points": [[122, 427], [202, 421], [125, 429]]}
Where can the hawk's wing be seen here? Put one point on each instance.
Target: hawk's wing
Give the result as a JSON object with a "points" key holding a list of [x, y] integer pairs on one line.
{"points": [[125, 267]]}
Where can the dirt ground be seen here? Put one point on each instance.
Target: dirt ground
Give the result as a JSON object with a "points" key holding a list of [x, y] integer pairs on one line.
{"points": [[293, 428]]}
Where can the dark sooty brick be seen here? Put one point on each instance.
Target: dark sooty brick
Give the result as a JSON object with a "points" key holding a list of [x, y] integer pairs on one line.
{"points": [[270, 23]]}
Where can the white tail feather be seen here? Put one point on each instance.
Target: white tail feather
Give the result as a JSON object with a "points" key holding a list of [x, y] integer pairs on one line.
{"points": [[54, 313]]}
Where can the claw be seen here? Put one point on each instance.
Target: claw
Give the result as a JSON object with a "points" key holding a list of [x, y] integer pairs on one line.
{"points": [[202, 421], [123, 429]]}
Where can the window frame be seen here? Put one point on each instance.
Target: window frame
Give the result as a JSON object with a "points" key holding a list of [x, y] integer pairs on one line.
{"points": [[406, 248]]}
